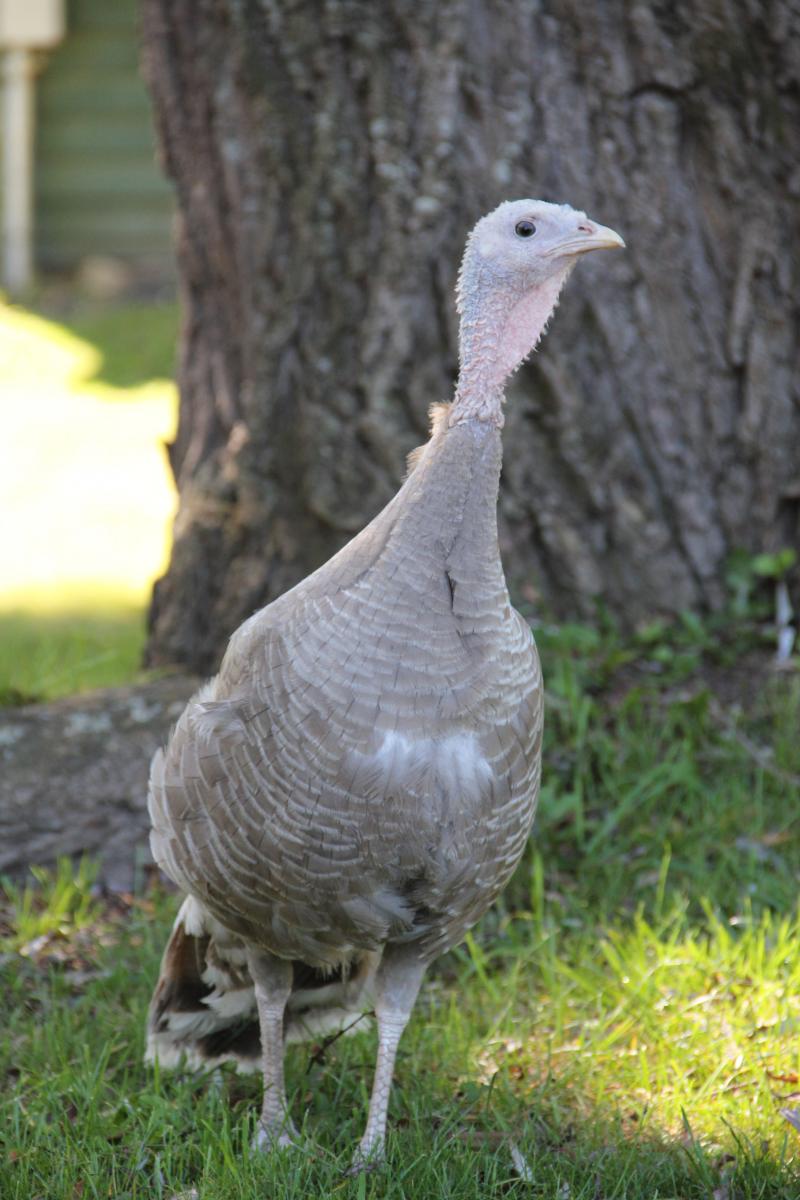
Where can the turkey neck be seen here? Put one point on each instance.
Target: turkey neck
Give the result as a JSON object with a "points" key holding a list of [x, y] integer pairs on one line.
{"points": [[501, 323], [446, 526]]}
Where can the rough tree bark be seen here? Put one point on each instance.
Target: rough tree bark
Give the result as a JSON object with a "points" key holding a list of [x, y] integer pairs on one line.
{"points": [[329, 159]]}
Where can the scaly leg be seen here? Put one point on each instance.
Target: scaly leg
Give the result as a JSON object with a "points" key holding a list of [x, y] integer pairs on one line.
{"points": [[273, 982], [396, 986]]}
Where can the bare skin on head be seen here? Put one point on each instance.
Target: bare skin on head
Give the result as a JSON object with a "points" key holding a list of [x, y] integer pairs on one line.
{"points": [[355, 787], [517, 260]]}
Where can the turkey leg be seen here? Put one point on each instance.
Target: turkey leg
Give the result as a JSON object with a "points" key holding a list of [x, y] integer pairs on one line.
{"points": [[396, 986], [272, 977]]}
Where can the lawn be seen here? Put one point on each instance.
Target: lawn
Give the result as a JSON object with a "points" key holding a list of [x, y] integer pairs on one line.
{"points": [[85, 490], [628, 1016]]}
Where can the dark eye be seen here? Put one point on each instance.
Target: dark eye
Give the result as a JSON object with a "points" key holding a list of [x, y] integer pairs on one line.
{"points": [[525, 229]]}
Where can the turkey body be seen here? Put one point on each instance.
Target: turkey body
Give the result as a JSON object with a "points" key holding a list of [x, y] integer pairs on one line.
{"points": [[363, 770]]}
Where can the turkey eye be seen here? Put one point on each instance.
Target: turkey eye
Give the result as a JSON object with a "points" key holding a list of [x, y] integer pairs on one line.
{"points": [[525, 229]]}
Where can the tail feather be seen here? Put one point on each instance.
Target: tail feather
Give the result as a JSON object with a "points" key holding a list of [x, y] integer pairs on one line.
{"points": [[203, 1011]]}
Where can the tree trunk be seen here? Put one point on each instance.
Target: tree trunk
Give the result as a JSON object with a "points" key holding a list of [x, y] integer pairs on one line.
{"points": [[329, 159]]}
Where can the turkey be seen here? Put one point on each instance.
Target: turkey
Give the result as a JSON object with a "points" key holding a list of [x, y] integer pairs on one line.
{"points": [[350, 793]]}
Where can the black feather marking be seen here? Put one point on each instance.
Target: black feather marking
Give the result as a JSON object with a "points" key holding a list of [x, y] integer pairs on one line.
{"points": [[181, 987], [242, 1040]]}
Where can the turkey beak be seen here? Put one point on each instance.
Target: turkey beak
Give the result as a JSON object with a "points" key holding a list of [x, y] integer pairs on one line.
{"points": [[589, 236], [599, 237]]}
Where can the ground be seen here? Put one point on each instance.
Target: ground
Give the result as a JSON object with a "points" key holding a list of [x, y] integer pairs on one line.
{"points": [[627, 1016]]}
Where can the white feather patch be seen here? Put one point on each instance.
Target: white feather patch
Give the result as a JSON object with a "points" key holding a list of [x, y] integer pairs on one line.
{"points": [[457, 758], [192, 916], [313, 1025]]}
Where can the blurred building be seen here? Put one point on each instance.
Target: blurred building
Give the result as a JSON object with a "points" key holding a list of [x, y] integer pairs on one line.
{"points": [[95, 191]]}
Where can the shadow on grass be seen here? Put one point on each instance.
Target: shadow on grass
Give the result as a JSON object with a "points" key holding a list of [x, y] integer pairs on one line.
{"points": [[136, 342]]}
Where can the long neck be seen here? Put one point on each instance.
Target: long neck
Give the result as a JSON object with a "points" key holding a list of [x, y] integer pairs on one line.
{"points": [[501, 322], [447, 511]]}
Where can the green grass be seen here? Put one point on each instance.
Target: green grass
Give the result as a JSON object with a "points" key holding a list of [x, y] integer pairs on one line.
{"points": [[628, 1015], [83, 470], [135, 342], [46, 655], [61, 905]]}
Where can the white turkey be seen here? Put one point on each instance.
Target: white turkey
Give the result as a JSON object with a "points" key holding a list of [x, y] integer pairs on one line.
{"points": [[355, 787]]}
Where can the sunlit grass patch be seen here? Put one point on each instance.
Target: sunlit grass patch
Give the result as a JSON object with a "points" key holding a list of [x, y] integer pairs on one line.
{"points": [[668, 1026], [85, 481], [86, 493], [55, 904]]}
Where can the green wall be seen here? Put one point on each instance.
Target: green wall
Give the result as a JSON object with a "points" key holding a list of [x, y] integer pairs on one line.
{"points": [[98, 187]]}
